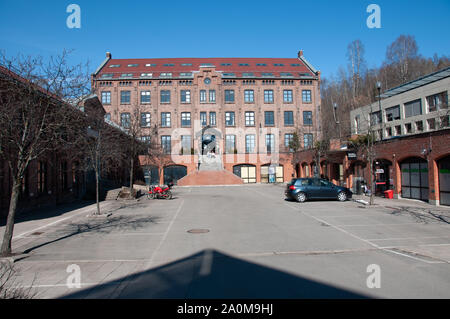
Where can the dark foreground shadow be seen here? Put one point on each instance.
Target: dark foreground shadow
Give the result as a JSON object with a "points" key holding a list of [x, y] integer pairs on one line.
{"points": [[210, 274], [47, 211]]}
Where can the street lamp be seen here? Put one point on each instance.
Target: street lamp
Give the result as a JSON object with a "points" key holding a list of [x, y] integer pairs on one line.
{"points": [[379, 104], [335, 106]]}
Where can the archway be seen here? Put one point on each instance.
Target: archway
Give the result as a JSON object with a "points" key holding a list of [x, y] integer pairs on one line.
{"points": [[414, 178], [382, 171], [245, 171], [173, 173], [272, 173], [151, 175]]}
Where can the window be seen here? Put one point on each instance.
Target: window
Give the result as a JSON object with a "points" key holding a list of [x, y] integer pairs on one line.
{"points": [[166, 144], [398, 130], [229, 96], [145, 97], [307, 118], [106, 97], [268, 96], [165, 96], [393, 113], [185, 119], [413, 108], [437, 101], [249, 96], [249, 118], [145, 119], [287, 96], [269, 118], [306, 96], [288, 118], [146, 139], [212, 118], [419, 126], [125, 97], [186, 144], [229, 118], [270, 143], [165, 75], [230, 143], [212, 96], [125, 120], [108, 116], [307, 140], [202, 96], [203, 119], [250, 143], [185, 96], [288, 138], [431, 124], [375, 118], [165, 119], [408, 128], [389, 131]]}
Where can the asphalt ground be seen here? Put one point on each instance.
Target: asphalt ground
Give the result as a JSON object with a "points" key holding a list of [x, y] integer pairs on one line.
{"points": [[244, 242]]}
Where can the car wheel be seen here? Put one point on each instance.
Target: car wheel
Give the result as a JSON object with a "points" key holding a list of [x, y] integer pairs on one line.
{"points": [[342, 197], [301, 197]]}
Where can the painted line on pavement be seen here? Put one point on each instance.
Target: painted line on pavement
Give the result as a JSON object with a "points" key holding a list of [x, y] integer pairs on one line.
{"points": [[147, 265], [360, 238]]}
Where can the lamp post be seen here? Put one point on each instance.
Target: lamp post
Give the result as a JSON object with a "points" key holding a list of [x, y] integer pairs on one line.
{"points": [[379, 104], [335, 106]]}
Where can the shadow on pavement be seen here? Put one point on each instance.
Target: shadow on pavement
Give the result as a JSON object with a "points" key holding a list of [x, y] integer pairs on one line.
{"points": [[103, 225], [210, 274], [47, 212]]}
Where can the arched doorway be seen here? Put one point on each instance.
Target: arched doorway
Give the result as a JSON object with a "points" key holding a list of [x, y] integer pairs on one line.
{"points": [[358, 176], [245, 171], [151, 175], [382, 172], [272, 173], [173, 173], [444, 181], [414, 178]]}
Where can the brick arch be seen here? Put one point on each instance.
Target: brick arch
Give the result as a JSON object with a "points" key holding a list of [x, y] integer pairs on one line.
{"points": [[405, 157], [442, 156]]}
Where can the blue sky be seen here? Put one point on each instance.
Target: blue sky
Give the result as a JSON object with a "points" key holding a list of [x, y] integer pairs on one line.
{"points": [[199, 28]]}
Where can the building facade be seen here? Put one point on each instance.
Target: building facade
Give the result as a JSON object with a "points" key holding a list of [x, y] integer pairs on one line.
{"points": [[412, 152], [249, 107]]}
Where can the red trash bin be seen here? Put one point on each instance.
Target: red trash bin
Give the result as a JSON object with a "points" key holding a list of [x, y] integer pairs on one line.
{"points": [[389, 194]]}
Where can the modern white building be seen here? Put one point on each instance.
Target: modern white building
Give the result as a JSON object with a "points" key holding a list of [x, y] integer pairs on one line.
{"points": [[415, 107]]}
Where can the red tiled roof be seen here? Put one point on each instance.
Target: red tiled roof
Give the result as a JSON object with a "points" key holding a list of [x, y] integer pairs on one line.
{"points": [[287, 65]]}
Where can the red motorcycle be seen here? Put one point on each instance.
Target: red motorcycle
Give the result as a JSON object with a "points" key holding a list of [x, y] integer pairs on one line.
{"points": [[161, 192]]}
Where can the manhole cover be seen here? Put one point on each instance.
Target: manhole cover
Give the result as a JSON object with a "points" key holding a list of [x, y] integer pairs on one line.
{"points": [[37, 233], [198, 231]]}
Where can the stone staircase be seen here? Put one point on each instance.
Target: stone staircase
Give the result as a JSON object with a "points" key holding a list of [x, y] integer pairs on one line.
{"points": [[212, 163], [210, 172]]}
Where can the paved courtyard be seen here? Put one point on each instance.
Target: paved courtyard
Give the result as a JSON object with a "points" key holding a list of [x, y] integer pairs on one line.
{"points": [[247, 242]]}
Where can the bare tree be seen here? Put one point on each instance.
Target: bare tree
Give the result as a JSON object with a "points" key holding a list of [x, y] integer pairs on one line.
{"points": [[400, 54], [134, 145], [35, 117], [356, 65], [101, 148]]}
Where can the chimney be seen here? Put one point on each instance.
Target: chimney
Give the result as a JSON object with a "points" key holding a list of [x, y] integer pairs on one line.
{"points": [[108, 55], [300, 54]]}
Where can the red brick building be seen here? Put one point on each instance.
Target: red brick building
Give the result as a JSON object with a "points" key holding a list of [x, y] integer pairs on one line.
{"points": [[248, 107], [54, 177], [412, 149]]}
